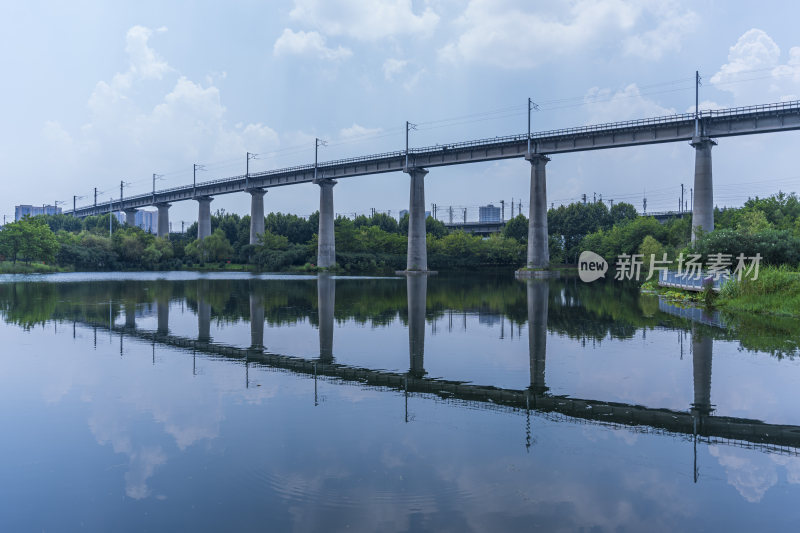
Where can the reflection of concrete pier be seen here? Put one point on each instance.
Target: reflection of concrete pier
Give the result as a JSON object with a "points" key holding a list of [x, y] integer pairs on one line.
{"points": [[417, 288], [130, 315], [326, 300], [637, 416], [538, 295], [256, 321], [162, 309], [702, 350], [203, 312]]}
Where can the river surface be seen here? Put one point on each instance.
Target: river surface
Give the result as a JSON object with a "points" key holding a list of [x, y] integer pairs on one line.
{"points": [[211, 402]]}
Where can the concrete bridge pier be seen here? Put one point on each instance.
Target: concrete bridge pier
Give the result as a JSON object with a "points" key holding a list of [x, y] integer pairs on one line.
{"points": [[163, 219], [538, 296], [326, 301], [130, 217], [417, 289], [203, 313], [702, 351], [204, 217], [256, 321], [538, 251], [417, 259], [162, 312], [326, 243], [703, 208], [256, 214]]}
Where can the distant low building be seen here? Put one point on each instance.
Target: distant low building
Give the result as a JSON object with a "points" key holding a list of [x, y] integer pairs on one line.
{"points": [[489, 213], [22, 211], [404, 212]]}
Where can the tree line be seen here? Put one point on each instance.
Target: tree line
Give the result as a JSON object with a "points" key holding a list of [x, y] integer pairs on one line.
{"points": [[378, 243]]}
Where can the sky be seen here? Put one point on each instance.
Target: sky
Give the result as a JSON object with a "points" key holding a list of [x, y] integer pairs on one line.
{"points": [[97, 93]]}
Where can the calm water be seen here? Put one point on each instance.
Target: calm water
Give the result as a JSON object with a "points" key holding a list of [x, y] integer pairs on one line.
{"points": [[229, 402]]}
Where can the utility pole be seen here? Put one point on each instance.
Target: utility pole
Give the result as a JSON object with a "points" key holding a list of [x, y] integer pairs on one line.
{"points": [[696, 103], [182, 230], [74, 203], [451, 214], [409, 127], [121, 187], [594, 198], [583, 196], [512, 207], [691, 197], [317, 144], [531, 106], [95, 196], [502, 210], [156, 177], [465, 215], [110, 214], [681, 204], [195, 168], [247, 172]]}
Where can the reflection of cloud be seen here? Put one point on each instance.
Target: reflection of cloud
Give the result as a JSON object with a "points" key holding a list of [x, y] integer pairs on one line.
{"points": [[142, 465], [749, 473]]}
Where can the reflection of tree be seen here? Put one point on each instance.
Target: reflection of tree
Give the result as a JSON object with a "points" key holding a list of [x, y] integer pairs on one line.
{"points": [[577, 310]]}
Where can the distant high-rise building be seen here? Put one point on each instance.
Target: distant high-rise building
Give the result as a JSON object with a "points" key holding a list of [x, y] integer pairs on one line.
{"points": [[147, 220], [21, 211], [488, 213]]}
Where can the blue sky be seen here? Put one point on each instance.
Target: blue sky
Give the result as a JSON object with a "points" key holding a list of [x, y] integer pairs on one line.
{"points": [[97, 92]]}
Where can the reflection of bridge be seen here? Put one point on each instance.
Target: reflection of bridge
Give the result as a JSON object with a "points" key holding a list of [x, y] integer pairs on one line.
{"points": [[697, 421]]}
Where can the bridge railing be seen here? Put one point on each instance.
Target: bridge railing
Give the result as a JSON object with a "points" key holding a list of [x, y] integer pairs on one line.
{"points": [[495, 141]]}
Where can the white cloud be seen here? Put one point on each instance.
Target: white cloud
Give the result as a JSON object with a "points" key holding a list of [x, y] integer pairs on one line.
{"points": [[606, 105], [307, 43], [511, 34], [366, 21], [393, 67], [187, 123], [356, 130], [754, 72], [667, 36], [413, 80]]}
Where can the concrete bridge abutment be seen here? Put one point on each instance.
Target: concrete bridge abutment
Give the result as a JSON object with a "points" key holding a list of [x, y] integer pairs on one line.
{"points": [[538, 251], [256, 214], [130, 217], [703, 208], [326, 241], [163, 219], [417, 259], [204, 217]]}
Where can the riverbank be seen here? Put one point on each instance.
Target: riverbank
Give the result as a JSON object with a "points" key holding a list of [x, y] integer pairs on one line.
{"points": [[776, 292], [8, 267]]}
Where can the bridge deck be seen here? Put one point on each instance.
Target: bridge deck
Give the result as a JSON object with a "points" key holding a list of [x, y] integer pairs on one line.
{"points": [[766, 118]]}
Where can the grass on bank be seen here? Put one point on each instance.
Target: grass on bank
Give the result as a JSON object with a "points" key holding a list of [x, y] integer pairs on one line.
{"points": [[8, 267], [775, 292]]}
